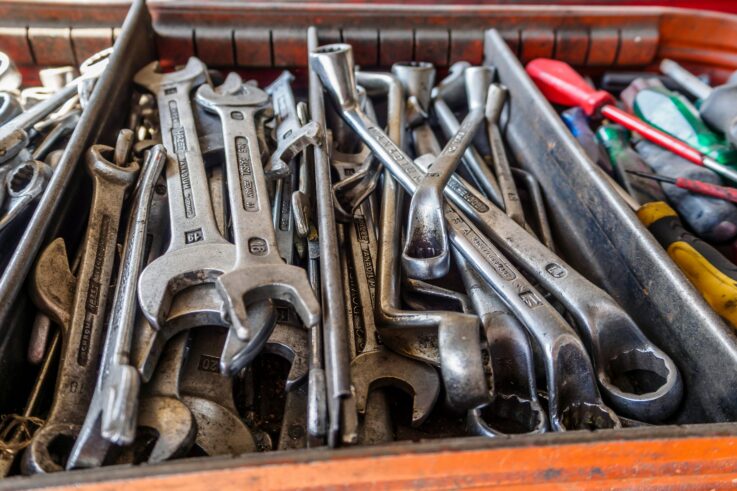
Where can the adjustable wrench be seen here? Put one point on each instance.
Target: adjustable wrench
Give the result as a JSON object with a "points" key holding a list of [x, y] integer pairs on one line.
{"points": [[515, 407], [258, 272], [575, 401], [426, 252], [292, 135], [220, 430], [372, 365], [111, 417], [79, 312], [637, 377]]}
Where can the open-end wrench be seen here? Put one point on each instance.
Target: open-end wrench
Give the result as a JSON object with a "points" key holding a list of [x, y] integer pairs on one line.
{"points": [[637, 377], [426, 252], [343, 418], [220, 430], [197, 253], [515, 407], [161, 409], [575, 401], [292, 135], [373, 365], [78, 306], [111, 417], [259, 272]]}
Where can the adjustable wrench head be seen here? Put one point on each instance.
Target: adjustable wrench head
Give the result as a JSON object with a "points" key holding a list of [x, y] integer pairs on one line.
{"points": [[383, 368], [477, 80], [152, 79], [417, 79], [298, 140], [240, 288], [233, 92], [426, 252], [333, 63]]}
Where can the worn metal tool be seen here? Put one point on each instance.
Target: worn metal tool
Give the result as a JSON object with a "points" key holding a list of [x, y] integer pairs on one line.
{"points": [[343, 418], [111, 417], [637, 377], [515, 407], [449, 92], [372, 364], [77, 305], [575, 401], [292, 135], [426, 252], [220, 430], [258, 271], [24, 185]]}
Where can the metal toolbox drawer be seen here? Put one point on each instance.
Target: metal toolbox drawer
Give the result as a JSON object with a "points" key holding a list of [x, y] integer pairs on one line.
{"points": [[597, 233]]}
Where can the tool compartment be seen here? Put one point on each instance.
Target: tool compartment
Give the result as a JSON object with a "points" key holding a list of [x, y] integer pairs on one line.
{"points": [[596, 233]]}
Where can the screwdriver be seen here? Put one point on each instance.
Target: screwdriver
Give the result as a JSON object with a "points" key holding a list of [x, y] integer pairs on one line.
{"points": [[672, 113], [695, 186], [577, 122], [718, 105], [560, 84], [712, 274]]}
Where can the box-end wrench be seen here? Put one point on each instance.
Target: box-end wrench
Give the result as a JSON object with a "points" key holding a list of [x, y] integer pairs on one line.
{"points": [[80, 314], [292, 135], [111, 417], [374, 366], [515, 407], [451, 90], [637, 377], [420, 295], [220, 430], [426, 252], [343, 418], [259, 272], [575, 402]]}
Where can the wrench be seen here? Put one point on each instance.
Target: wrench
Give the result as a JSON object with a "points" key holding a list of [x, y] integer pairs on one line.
{"points": [[515, 404], [111, 417], [292, 135], [575, 401], [372, 365], [197, 252], [25, 183], [343, 417], [258, 270], [420, 295], [79, 312], [451, 89], [637, 377], [161, 408], [426, 253], [220, 430]]}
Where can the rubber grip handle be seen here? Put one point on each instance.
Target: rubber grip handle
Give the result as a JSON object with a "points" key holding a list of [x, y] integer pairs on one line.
{"points": [[708, 189], [561, 84], [706, 268]]}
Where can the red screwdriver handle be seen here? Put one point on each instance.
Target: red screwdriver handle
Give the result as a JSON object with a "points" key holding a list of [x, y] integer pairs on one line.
{"points": [[708, 189], [561, 84]]}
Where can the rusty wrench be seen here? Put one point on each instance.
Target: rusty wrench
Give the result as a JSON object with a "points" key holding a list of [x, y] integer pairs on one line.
{"points": [[111, 417], [78, 305]]}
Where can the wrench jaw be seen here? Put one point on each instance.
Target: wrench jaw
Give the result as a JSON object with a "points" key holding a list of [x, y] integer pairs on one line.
{"points": [[266, 282], [174, 424], [151, 77], [219, 430], [305, 136], [452, 88], [238, 353], [426, 253], [291, 343], [103, 169], [635, 376], [177, 270], [54, 284], [575, 402], [377, 369]]}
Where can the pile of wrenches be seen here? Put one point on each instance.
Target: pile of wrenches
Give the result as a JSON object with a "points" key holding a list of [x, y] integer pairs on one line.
{"points": [[259, 273]]}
